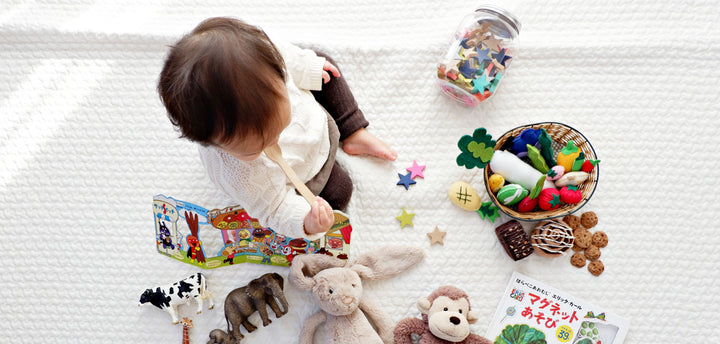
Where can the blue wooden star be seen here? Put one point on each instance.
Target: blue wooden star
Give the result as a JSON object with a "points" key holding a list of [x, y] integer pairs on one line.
{"points": [[405, 180], [500, 57], [483, 55], [467, 70]]}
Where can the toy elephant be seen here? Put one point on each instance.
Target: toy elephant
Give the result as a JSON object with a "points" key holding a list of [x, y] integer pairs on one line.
{"points": [[218, 336], [337, 287], [244, 301]]}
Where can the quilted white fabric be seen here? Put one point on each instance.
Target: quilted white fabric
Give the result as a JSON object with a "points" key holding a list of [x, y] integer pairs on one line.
{"points": [[85, 144]]}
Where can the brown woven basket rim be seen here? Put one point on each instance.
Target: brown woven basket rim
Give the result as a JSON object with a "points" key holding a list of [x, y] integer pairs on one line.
{"points": [[563, 210]]}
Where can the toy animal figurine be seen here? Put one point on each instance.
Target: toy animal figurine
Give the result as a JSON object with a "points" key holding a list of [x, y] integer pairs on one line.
{"points": [[187, 325], [169, 297], [446, 318], [244, 301], [218, 336], [336, 285]]}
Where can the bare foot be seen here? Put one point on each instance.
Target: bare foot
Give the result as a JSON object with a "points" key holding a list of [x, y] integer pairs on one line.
{"points": [[362, 142]]}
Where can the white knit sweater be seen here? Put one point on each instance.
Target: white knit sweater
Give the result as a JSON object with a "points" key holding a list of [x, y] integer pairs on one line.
{"points": [[260, 186]]}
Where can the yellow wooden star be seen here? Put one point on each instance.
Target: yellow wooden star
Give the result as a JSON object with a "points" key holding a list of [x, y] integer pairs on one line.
{"points": [[405, 218], [436, 236]]}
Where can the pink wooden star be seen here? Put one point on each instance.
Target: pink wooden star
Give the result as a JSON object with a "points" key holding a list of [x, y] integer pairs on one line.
{"points": [[416, 170]]}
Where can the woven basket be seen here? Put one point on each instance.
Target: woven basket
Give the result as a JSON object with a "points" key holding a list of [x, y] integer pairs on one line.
{"points": [[561, 134]]}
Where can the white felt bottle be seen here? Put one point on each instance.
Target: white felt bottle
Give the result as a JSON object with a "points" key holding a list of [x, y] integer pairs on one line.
{"points": [[514, 170]]}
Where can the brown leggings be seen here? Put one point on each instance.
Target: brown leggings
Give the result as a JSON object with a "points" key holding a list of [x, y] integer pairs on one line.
{"points": [[339, 102]]}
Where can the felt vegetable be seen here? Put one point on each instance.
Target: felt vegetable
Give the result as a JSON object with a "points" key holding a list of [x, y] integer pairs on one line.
{"points": [[517, 171], [464, 196], [549, 199], [476, 150], [572, 178], [537, 159], [489, 211], [570, 194], [527, 204], [527, 137], [567, 155], [495, 182], [520, 334], [555, 173], [577, 164], [511, 194], [546, 142], [589, 165]]}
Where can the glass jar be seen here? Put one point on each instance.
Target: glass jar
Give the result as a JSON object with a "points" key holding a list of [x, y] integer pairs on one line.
{"points": [[479, 55]]}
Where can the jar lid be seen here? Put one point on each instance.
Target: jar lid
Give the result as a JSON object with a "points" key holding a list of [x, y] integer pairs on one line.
{"points": [[502, 14]]}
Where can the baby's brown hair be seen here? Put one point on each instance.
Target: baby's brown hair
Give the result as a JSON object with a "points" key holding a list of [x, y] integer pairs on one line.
{"points": [[220, 82]]}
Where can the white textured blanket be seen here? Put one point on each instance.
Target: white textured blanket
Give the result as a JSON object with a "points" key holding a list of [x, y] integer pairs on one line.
{"points": [[85, 144]]}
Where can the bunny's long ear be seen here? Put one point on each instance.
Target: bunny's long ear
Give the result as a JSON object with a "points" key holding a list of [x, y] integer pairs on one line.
{"points": [[387, 261], [305, 267]]}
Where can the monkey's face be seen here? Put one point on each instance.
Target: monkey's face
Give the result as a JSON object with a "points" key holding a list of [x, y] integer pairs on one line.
{"points": [[447, 319]]}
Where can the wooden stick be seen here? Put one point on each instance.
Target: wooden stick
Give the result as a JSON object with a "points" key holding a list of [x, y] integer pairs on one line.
{"points": [[275, 154]]}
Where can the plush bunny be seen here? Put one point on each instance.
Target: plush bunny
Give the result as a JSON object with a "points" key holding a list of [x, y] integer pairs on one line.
{"points": [[337, 287]]}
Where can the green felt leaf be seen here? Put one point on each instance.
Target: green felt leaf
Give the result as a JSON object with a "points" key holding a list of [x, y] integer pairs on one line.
{"points": [[475, 150], [535, 192], [555, 200], [577, 164], [537, 159], [570, 148], [489, 211], [480, 151], [546, 148]]}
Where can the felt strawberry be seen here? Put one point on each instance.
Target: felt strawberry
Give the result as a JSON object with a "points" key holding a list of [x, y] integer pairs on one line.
{"points": [[527, 204], [549, 199], [570, 194], [589, 165]]}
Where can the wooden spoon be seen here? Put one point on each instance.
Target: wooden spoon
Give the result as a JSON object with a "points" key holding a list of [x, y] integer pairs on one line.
{"points": [[275, 154]]}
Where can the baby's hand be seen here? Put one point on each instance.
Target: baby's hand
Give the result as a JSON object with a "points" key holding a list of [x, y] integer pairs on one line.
{"points": [[320, 218], [329, 67]]}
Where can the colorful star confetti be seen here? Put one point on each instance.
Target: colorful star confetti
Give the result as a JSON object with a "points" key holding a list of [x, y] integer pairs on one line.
{"points": [[477, 50], [416, 170], [480, 84], [483, 55], [405, 218], [501, 58], [405, 180], [436, 236], [492, 43]]}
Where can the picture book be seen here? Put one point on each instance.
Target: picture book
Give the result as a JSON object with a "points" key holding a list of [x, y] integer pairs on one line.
{"points": [[220, 237], [531, 312]]}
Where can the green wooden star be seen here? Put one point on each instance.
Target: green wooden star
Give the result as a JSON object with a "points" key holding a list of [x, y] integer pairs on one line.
{"points": [[405, 218]]}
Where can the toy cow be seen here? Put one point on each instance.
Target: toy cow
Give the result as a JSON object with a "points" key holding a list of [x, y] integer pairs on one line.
{"points": [[169, 297]]}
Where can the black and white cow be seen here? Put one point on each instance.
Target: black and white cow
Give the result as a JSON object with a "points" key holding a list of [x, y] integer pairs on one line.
{"points": [[169, 297]]}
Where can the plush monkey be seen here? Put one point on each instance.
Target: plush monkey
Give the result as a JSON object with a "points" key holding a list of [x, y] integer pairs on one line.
{"points": [[446, 318]]}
